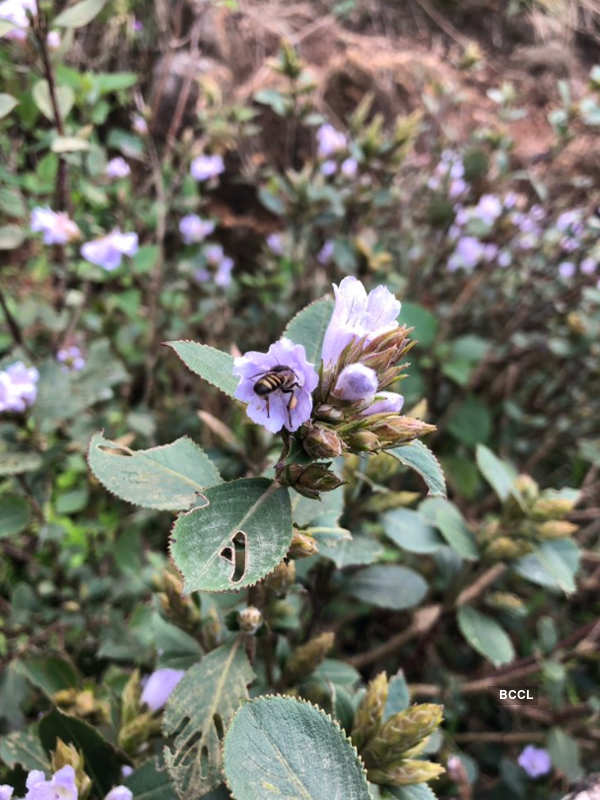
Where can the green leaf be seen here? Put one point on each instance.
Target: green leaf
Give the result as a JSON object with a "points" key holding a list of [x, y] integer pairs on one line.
{"points": [[449, 521], [471, 421], [398, 696], [102, 760], [14, 514], [388, 586], [51, 674], [170, 477], [69, 144], [420, 458], [409, 530], [16, 463], [279, 747], [356, 551], [148, 782], [11, 236], [65, 97], [308, 328], [339, 672], [198, 712], [213, 365], [176, 648], [485, 635], [416, 791], [499, 474], [425, 323], [564, 752], [7, 103], [552, 564], [252, 511], [79, 14], [24, 748]]}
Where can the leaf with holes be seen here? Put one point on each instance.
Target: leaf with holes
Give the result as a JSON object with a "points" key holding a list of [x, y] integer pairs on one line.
{"points": [[213, 365], [420, 458], [170, 477], [308, 327], [237, 539], [485, 635], [280, 747], [198, 712]]}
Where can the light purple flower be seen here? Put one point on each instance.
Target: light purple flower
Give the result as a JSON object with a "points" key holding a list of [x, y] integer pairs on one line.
{"points": [[567, 219], [56, 226], [566, 269], [588, 266], [139, 124], [202, 275], [117, 168], [223, 273], [457, 187], [504, 259], [489, 208], [53, 40], [213, 253], [453, 232], [358, 316], [569, 244], [457, 170], [137, 25], [325, 253], [126, 770], [107, 251], [328, 167], [356, 382], [159, 686], [15, 11], [510, 200], [119, 793], [330, 141], [205, 167], [349, 167], [275, 243], [18, 387], [194, 229], [468, 253], [535, 761], [6, 791], [71, 357], [277, 409], [385, 403], [61, 785], [490, 251], [537, 212]]}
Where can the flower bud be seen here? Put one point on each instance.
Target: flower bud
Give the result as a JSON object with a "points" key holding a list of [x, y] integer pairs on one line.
{"points": [[310, 480], [555, 529], [138, 731], [322, 442], [212, 630], [250, 619], [552, 507], [356, 383], [302, 545], [306, 658], [385, 403], [506, 601], [328, 413], [282, 578], [527, 487], [363, 441], [407, 772], [369, 713], [403, 732], [503, 548], [394, 429], [130, 698], [68, 755]]}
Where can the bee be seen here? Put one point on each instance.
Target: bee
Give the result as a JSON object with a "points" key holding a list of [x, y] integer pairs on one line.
{"points": [[282, 379]]}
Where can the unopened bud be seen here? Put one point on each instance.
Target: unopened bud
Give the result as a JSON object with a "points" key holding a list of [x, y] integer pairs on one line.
{"points": [[386, 502], [407, 772], [503, 548], [394, 428], [310, 480], [130, 698], [138, 731], [65, 755], [527, 487], [302, 545], [552, 507], [307, 657], [555, 529], [321, 442], [282, 578], [363, 441], [212, 630], [506, 601], [403, 732], [250, 619], [328, 413], [369, 713]]}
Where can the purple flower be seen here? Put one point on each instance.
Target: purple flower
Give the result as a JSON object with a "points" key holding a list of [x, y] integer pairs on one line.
{"points": [[349, 167], [223, 273], [159, 686], [328, 167], [356, 382], [535, 761], [6, 791], [117, 168], [275, 243], [119, 793], [53, 40], [325, 253], [205, 167], [213, 253], [510, 200], [194, 229], [139, 124], [489, 208], [537, 212], [568, 219], [71, 357], [358, 317], [137, 25], [385, 403], [108, 251], [504, 259], [457, 187], [56, 226], [566, 269], [330, 141], [126, 770], [18, 387], [490, 251], [588, 266], [468, 253], [457, 170], [202, 275], [277, 409], [61, 785], [15, 11]]}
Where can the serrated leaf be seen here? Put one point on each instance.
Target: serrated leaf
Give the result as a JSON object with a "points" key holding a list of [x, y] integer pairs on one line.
{"points": [[485, 635], [308, 328], [213, 365], [388, 586], [176, 648], [498, 474], [17, 463], [279, 747], [169, 477], [79, 14], [14, 514], [7, 103], [24, 748], [409, 530], [65, 97], [254, 512], [356, 551], [420, 458], [198, 712]]}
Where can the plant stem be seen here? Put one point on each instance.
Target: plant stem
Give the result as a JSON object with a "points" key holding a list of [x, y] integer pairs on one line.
{"points": [[13, 326]]}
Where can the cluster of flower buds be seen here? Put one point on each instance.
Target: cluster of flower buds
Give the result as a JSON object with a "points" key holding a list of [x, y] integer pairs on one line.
{"points": [[389, 747], [528, 518], [306, 658], [176, 605]]}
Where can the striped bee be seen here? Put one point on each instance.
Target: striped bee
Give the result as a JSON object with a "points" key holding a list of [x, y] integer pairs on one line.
{"points": [[282, 379]]}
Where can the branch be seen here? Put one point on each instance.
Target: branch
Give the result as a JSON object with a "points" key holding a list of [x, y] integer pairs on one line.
{"points": [[480, 584]]}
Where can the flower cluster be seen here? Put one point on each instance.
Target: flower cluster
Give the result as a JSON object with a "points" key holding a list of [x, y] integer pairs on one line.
{"points": [[222, 264], [62, 785], [449, 173], [117, 168], [107, 251], [71, 358], [205, 167], [194, 229], [330, 144], [56, 226], [18, 387]]}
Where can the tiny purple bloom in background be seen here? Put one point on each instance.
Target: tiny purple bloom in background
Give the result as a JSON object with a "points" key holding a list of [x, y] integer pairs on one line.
{"points": [[6, 792], [328, 167], [537, 212], [202, 275], [119, 793], [223, 273], [356, 382], [457, 187], [205, 167], [504, 259], [277, 409], [275, 243], [53, 40], [490, 251], [107, 251], [117, 168], [71, 357], [330, 141], [213, 253], [569, 244], [588, 266], [468, 253], [159, 686], [126, 770], [510, 200], [349, 167], [139, 124], [385, 403], [56, 226], [194, 229], [18, 387], [535, 761], [489, 208], [358, 316], [325, 253], [566, 269], [15, 11], [61, 785], [137, 25], [567, 219]]}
